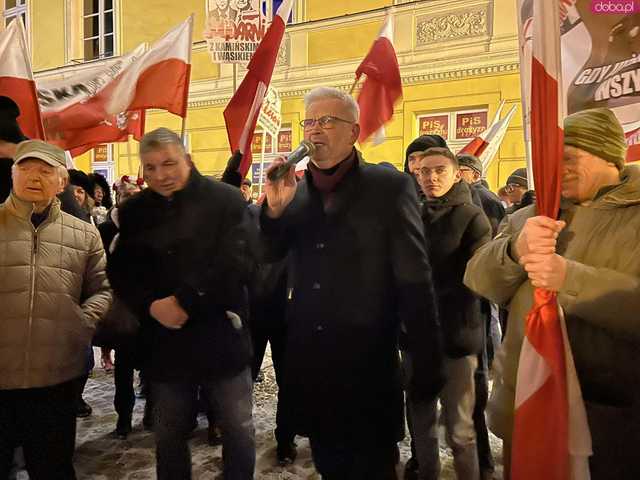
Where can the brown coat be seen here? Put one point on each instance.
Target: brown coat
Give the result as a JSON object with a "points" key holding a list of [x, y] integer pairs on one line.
{"points": [[53, 291], [601, 301]]}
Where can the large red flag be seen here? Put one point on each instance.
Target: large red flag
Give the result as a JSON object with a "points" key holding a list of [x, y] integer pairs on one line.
{"points": [[160, 77], [106, 103], [383, 86], [74, 107], [241, 114], [544, 427], [16, 78]]}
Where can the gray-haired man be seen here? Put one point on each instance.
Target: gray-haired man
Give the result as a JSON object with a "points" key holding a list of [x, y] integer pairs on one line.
{"points": [[358, 252], [180, 267], [53, 291]]}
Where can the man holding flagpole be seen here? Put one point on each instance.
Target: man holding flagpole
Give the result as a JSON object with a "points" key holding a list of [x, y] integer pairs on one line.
{"points": [[591, 258]]}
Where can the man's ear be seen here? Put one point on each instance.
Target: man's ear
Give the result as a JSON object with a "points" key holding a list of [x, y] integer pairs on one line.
{"points": [[189, 159], [458, 176], [355, 132]]}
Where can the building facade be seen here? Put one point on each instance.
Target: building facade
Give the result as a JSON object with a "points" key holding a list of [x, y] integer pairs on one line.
{"points": [[458, 61]]}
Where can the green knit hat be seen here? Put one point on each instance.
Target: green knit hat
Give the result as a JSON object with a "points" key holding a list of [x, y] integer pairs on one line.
{"points": [[598, 132]]}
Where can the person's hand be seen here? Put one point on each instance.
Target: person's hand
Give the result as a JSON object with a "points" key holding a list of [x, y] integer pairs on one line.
{"points": [[168, 312], [539, 236], [281, 192], [545, 271], [235, 160], [105, 359]]}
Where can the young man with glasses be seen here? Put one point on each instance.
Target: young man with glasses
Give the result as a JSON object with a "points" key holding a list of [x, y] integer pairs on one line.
{"points": [[455, 228], [360, 270]]}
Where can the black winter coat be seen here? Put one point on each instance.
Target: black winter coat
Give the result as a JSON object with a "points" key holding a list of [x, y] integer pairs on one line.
{"points": [[490, 204], [5, 178], [359, 270], [194, 246], [456, 228]]}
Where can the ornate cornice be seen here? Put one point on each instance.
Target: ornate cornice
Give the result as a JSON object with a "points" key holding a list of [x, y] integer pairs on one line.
{"points": [[432, 29], [344, 82]]}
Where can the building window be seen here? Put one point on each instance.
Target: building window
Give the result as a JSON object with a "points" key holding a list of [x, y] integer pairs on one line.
{"points": [[102, 162], [98, 29], [270, 7], [13, 8], [457, 128]]}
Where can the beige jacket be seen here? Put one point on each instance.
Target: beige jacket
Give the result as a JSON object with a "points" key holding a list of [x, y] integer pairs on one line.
{"points": [[53, 291], [600, 298]]}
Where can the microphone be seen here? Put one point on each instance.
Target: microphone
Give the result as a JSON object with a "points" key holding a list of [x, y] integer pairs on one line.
{"points": [[306, 148]]}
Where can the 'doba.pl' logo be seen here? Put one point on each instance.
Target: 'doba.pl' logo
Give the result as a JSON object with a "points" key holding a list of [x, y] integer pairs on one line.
{"points": [[615, 7]]}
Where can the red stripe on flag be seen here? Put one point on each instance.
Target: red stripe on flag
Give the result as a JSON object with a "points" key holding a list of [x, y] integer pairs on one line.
{"points": [[381, 89], [238, 115], [157, 87], [547, 139], [633, 153], [23, 92], [475, 147]]}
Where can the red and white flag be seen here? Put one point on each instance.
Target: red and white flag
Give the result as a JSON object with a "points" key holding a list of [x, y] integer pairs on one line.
{"points": [[486, 145], [74, 107], [16, 78], [382, 87], [160, 77], [241, 114], [551, 438], [106, 103]]}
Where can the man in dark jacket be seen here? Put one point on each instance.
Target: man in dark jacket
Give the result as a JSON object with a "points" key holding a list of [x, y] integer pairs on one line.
{"points": [[455, 228], [179, 265], [10, 136], [471, 174], [360, 268]]}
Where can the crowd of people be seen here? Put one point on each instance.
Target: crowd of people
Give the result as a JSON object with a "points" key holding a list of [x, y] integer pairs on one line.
{"points": [[386, 297]]}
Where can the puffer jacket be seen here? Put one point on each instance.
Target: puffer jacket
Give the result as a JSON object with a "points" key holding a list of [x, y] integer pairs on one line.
{"points": [[601, 300], [53, 291]]}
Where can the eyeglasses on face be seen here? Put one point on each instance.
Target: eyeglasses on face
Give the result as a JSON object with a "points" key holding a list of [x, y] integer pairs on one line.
{"points": [[326, 122]]}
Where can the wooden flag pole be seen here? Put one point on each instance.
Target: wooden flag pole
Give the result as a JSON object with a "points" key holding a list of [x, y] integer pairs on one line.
{"points": [[353, 87], [235, 78]]}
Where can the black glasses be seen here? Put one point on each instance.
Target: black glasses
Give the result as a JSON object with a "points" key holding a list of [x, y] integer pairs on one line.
{"points": [[326, 122]]}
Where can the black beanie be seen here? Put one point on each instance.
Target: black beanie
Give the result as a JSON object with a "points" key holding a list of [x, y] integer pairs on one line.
{"points": [[9, 128], [81, 179], [423, 142], [518, 177]]}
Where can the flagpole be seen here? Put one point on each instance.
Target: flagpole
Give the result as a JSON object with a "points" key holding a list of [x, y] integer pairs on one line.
{"points": [[353, 87], [235, 78], [183, 130], [264, 147]]}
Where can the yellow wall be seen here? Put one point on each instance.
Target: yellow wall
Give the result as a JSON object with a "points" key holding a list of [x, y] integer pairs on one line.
{"points": [[46, 19], [146, 20], [337, 44], [338, 34], [318, 9]]}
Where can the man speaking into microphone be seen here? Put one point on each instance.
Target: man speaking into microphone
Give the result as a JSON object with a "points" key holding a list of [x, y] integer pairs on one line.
{"points": [[359, 271]]}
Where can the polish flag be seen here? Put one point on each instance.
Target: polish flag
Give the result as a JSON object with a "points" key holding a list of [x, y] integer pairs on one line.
{"points": [[486, 145], [551, 438], [106, 103], [16, 78], [74, 107], [241, 114], [160, 77], [383, 86]]}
